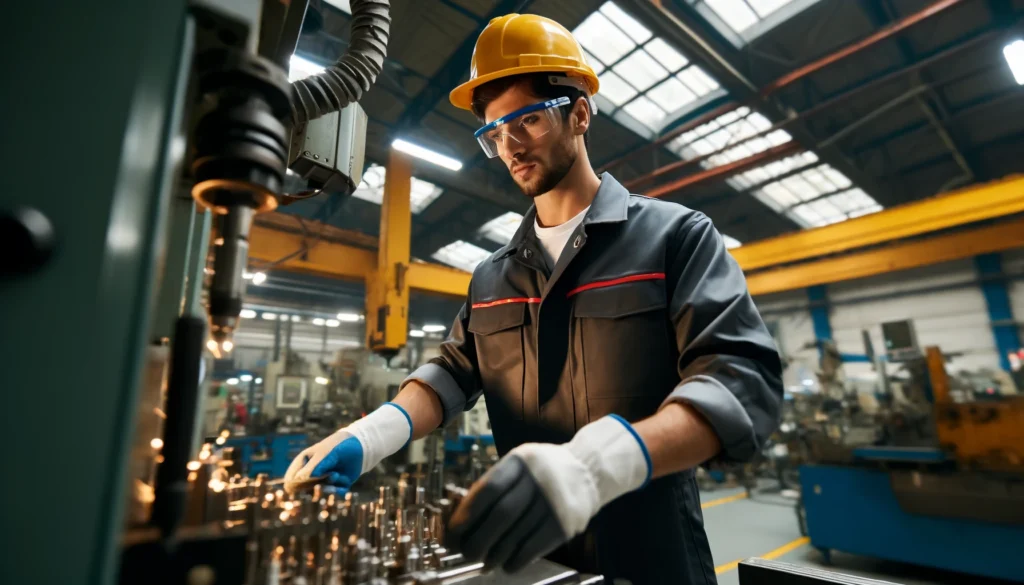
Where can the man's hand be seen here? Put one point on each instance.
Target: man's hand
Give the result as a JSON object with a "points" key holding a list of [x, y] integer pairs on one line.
{"points": [[338, 460], [341, 458], [540, 495]]}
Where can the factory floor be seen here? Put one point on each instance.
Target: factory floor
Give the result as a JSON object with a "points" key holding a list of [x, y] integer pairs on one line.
{"points": [[766, 526]]}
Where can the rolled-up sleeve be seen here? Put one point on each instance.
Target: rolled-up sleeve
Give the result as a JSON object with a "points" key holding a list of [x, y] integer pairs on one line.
{"points": [[729, 367], [453, 375]]}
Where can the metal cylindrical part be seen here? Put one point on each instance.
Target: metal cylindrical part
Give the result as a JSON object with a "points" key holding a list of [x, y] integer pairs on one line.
{"points": [[230, 261]]}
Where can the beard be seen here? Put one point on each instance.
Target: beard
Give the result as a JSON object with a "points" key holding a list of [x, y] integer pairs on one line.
{"points": [[548, 174]]}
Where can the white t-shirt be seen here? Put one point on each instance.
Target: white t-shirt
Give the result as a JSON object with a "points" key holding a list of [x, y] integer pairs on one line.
{"points": [[553, 239]]}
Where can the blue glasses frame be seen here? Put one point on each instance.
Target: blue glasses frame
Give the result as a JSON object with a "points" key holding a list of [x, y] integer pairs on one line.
{"points": [[557, 102]]}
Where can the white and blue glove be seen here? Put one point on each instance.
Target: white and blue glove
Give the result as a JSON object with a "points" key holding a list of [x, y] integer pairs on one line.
{"points": [[541, 495], [352, 451]]}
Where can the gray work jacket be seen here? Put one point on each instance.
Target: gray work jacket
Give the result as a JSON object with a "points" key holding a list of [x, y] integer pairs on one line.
{"points": [[644, 307]]}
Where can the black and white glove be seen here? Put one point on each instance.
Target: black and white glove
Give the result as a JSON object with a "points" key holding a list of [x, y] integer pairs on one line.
{"points": [[540, 495]]}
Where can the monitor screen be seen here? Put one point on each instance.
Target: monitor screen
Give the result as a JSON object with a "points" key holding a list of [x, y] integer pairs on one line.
{"points": [[899, 336]]}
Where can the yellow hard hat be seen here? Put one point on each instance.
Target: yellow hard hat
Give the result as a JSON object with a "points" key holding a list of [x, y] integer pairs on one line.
{"points": [[523, 43]]}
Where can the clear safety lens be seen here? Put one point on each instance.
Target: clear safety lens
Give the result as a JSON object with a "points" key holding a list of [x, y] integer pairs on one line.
{"points": [[520, 128]]}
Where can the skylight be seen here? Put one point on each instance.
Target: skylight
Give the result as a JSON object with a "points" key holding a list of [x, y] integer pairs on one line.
{"points": [[742, 16], [462, 255], [371, 189], [816, 197], [502, 228], [729, 128], [640, 74], [300, 68], [731, 242], [766, 173]]}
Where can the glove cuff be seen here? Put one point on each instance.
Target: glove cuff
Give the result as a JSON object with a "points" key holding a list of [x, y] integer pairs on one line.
{"points": [[381, 433], [615, 456]]}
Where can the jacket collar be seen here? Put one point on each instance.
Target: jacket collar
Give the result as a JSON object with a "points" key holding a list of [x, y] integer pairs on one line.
{"points": [[610, 205]]}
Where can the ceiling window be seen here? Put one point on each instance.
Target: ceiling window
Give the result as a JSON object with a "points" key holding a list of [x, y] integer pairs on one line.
{"points": [[371, 189], [730, 128], [462, 255], [502, 228], [817, 196], [765, 173], [748, 18], [640, 73]]}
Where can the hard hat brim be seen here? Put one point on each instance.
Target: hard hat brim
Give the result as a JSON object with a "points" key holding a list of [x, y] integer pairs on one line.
{"points": [[462, 96]]}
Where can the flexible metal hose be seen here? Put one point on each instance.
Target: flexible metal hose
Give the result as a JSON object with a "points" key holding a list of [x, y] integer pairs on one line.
{"points": [[354, 73]]}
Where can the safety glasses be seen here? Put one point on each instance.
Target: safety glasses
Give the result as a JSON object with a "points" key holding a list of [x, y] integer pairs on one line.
{"points": [[522, 126]]}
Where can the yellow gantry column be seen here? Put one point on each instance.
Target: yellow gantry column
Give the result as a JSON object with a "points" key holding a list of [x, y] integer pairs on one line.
{"points": [[387, 291]]}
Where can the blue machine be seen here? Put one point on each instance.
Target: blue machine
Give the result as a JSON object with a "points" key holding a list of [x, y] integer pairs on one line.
{"points": [[269, 454], [856, 510]]}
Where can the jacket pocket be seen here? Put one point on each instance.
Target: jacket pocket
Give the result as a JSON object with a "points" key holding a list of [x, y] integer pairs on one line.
{"points": [[623, 332], [498, 331]]}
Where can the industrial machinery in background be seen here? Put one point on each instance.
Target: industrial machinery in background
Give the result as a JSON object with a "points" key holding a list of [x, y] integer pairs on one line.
{"points": [[929, 469]]}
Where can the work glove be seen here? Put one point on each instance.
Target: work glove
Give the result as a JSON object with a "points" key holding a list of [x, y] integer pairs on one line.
{"points": [[540, 495], [341, 458]]}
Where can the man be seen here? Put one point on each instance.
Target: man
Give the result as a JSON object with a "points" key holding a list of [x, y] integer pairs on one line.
{"points": [[613, 338]]}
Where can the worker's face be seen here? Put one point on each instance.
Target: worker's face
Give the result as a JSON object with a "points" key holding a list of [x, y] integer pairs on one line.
{"points": [[538, 165]]}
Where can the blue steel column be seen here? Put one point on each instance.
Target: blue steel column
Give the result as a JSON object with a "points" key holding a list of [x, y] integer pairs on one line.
{"points": [[818, 297], [1000, 313]]}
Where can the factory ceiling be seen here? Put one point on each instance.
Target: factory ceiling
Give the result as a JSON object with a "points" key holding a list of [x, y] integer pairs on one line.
{"points": [[931, 107]]}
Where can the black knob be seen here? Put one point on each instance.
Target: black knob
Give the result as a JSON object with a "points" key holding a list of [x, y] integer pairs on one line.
{"points": [[27, 237]]}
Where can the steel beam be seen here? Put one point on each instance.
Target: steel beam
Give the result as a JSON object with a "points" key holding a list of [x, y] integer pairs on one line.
{"points": [[902, 256], [1000, 310], [387, 292], [977, 203]]}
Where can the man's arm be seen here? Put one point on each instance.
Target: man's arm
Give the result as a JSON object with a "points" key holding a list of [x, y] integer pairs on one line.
{"points": [[677, 437], [729, 367], [423, 406]]}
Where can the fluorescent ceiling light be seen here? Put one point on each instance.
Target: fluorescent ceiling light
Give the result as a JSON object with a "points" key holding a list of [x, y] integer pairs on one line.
{"points": [[1014, 53], [426, 154], [270, 316], [259, 278], [296, 318], [247, 314], [462, 255], [731, 242], [232, 382], [247, 275], [434, 328], [318, 321], [259, 380], [299, 68], [322, 381], [416, 333], [348, 317], [245, 377], [332, 323]]}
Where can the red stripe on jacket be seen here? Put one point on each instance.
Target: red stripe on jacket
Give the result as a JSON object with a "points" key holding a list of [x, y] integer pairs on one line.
{"points": [[615, 281]]}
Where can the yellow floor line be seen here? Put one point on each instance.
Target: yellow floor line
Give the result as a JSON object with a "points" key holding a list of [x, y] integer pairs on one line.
{"points": [[721, 501], [788, 547]]}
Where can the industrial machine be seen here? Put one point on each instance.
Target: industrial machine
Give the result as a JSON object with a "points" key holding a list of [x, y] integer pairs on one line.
{"points": [[942, 486]]}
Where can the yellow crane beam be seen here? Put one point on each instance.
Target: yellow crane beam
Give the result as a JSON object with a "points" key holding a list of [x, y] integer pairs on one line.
{"points": [[970, 205], [892, 258]]}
